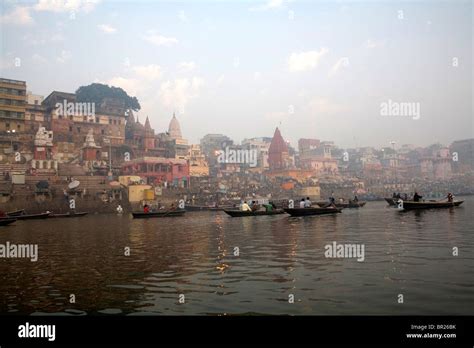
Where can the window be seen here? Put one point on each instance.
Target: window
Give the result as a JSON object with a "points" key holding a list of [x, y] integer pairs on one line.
{"points": [[7, 125], [102, 131], [79, 129], [19, 127], [70, 128], [96, 120]]}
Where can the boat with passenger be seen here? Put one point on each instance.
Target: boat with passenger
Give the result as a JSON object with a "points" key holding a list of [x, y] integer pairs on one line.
{"points": [[158, 214], [241, 213], [312, 211]]}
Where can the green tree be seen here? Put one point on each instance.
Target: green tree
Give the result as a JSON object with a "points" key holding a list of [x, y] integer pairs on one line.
{"points": [[96, 92]]}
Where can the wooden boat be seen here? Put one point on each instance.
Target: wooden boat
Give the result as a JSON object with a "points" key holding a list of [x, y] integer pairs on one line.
{"points": [[391, 201], [16, 212], [411, 205], [312, 211], [240, 213], [68, 215], [6, 221], [158, 214], [344, 205], [33, 216]]}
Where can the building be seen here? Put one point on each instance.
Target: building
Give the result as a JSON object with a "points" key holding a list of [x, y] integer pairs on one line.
{"points": [[198, 166], [34, 113], [71, 120], [159, 171], [278, 154], [262, 147], [12, 105], [462, 152]]}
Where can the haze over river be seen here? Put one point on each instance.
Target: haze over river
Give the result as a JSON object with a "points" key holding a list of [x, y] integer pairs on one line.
{"points": [[409, 253]]}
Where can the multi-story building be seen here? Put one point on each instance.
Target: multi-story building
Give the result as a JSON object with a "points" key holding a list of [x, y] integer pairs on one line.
{"points": [[12, 105], [71, 120], [462, 153], [261, 146], [159, 171]]}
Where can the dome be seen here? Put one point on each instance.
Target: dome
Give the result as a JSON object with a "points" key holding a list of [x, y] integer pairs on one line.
{"points": [[174, 129]]}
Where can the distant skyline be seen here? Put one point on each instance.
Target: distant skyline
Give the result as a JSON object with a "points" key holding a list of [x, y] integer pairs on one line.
{"points": [[314, 69]]}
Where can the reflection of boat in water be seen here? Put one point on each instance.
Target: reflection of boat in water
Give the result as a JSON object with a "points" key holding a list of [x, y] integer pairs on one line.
{"points": [[33, 216], [412, 205], [158, 214], [312, 211], [351, 204], [6, 221], [68, 215], [240, 213], [16, 212]]}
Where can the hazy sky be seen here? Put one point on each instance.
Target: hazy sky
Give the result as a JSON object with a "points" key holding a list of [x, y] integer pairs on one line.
{"points": [[241, 68]]}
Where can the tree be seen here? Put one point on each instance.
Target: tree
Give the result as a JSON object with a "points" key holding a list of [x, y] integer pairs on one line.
{"points": [[97, 92]]}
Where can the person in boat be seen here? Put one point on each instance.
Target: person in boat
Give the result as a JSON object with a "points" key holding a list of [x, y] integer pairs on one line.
{"points": [[394, 195], [356, 199], [173, 206], [450, 197], [302, 203], [417, 197], [146, 208], [245, 207], [268, 207], [255, 206], [273, 205], [307, 203], [405, 196]]}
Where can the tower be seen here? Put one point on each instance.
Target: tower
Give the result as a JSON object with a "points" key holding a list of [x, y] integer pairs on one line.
{"points": [[174, 130], [149, 138], [278, 155]]}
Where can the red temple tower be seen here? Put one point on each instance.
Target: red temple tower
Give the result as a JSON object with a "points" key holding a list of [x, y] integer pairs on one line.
{"points": [[278, 155]]}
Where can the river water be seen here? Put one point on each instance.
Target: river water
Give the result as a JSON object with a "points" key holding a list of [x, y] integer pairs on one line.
{"points": [[251, 265]]}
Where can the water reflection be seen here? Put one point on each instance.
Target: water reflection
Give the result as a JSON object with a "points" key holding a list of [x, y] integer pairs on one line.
{"points": [[277, 255]]}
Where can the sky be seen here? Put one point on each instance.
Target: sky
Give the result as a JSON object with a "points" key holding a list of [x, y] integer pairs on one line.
{"points": [[315, 69]]}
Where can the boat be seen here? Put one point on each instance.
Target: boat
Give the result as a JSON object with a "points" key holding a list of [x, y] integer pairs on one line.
{"points": [[205, 208], [6, 221], [68, 215], [240, 213], [344, 205], [312, 211], [16, 212], [411, 205], [33, 216], [158, 214], [391, 201]]}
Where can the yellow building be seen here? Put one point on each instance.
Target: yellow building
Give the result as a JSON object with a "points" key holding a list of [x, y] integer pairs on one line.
{"points": [[12, 105], [138, 193]]}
